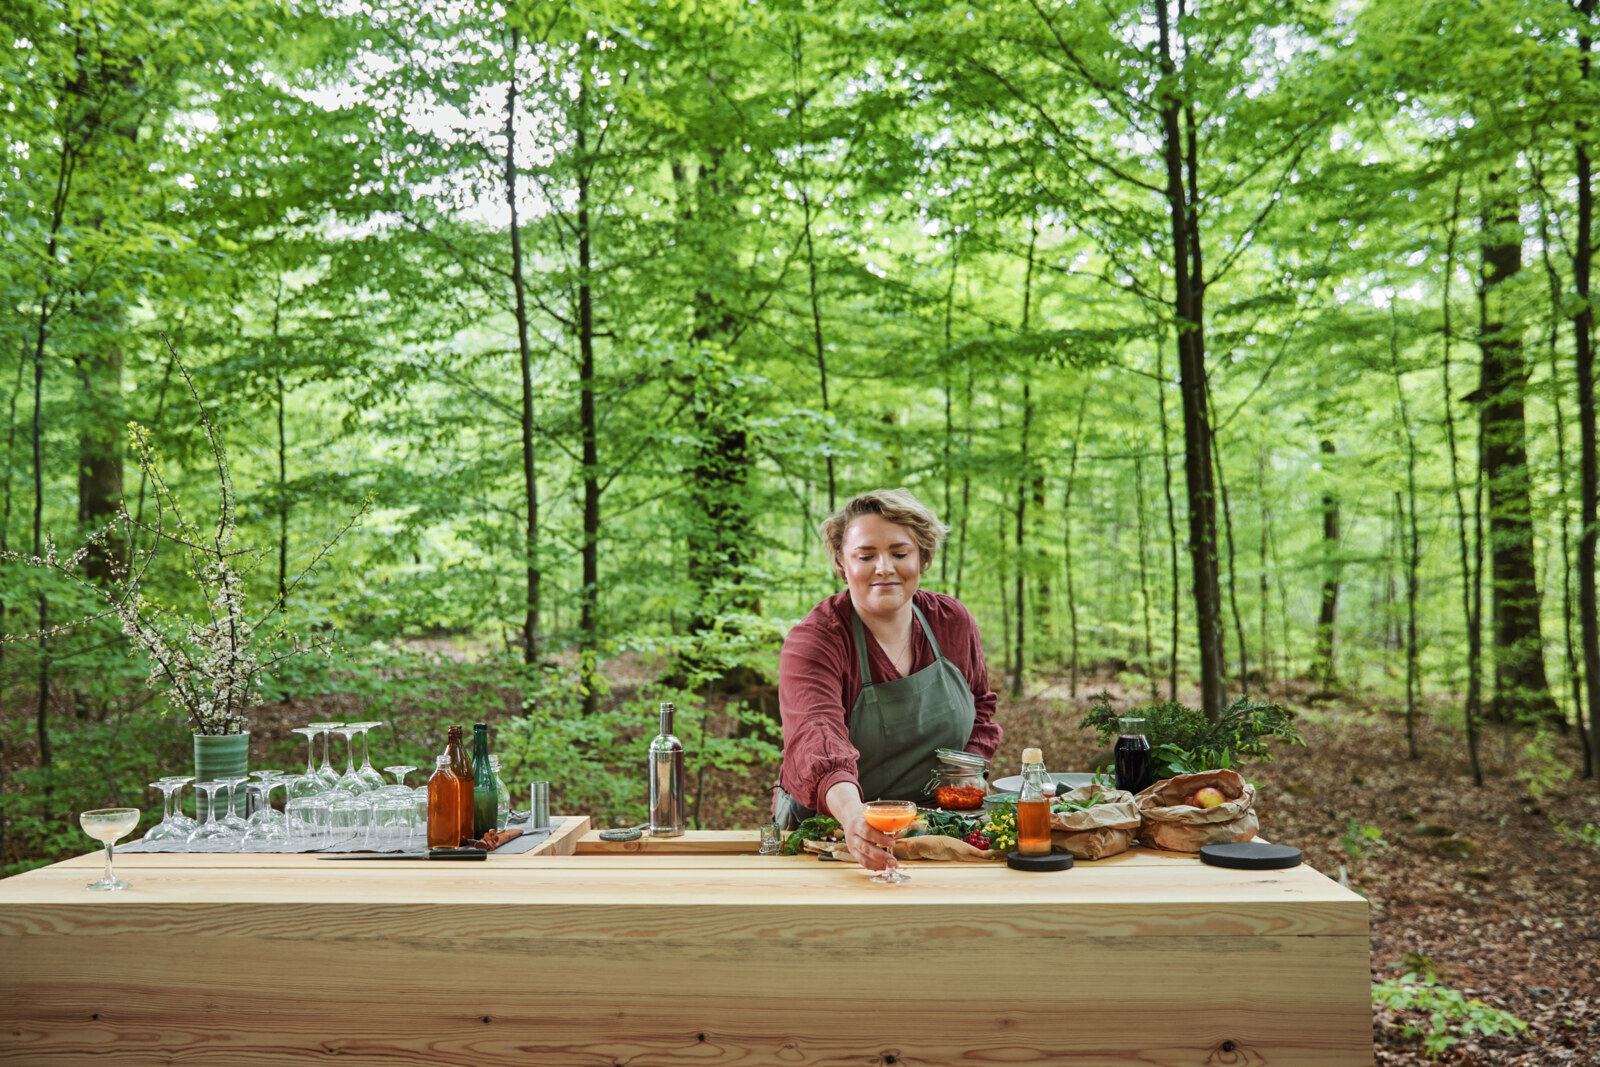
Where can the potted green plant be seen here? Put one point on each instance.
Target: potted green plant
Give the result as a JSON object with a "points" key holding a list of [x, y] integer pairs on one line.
{"points": [[209, 664]]}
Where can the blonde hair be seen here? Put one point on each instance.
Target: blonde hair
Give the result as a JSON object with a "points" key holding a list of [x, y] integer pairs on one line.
{"points": [[895, 505]]}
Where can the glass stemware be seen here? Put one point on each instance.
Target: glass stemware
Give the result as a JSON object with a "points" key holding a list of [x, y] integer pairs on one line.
{"points": [[350, 781], [308, 813], [329, 776], [310, 734], [890, 817], [267, 831], [233, 820], [368, 775], [106, 825], [399, 771], [265, 812], [211, 829], [168, 829], [350, 817], [178, 815]]}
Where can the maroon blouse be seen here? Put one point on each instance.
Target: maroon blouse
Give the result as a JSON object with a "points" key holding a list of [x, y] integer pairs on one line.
{"points": [[819, 679]]}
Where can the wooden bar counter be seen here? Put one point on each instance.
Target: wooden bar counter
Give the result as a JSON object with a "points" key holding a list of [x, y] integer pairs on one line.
{"points": [[692, 951]]}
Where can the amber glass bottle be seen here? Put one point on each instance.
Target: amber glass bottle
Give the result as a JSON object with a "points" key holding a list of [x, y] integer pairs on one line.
{"points": [[461, 767], [1033, 807], [444, 806]]}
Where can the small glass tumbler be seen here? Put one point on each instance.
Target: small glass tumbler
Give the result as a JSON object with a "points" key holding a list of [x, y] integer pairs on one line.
{"points": [[771, 839]]}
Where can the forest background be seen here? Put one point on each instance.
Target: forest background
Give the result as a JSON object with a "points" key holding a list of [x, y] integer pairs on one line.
{"points": [[1246, 348]]}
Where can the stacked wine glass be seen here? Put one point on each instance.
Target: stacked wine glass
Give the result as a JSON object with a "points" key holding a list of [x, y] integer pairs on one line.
{"points": [[322, 808]]}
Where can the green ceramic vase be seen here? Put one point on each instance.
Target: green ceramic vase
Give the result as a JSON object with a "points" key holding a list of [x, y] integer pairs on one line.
{"points": [[221, 756]]}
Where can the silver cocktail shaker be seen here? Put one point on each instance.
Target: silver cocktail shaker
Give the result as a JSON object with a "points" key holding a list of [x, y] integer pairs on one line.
{"points": [[668, 816]]}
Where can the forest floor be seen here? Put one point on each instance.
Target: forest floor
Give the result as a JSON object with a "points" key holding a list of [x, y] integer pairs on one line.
{"points": [[1480, 887], [1514, 924]]}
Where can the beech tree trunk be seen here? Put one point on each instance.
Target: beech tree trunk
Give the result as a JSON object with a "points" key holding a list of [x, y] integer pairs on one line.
{"points": [[1589, 476], [1521, 690], [530, 482], [1323, 667], [1189, 320]]}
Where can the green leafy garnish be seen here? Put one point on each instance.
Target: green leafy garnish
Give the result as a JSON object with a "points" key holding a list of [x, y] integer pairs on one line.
{"points": [[816, 828]]}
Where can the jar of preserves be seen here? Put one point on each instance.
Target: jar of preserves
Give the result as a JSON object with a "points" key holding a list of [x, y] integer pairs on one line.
{"points": [[960, 781]]}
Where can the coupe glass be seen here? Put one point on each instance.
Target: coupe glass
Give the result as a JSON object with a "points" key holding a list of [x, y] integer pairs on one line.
{"points": [[399, 771], [168, 829], [212, 829], [329, 776], [264, 809], [106, 825], [890, 817], [368, 775]]}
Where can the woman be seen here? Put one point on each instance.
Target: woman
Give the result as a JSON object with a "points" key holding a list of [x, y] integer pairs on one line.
{"points": [[878, 676]]}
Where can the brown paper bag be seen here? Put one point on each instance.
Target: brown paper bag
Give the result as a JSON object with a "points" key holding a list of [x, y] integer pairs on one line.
{"points": [[1173, 824], [1095, 833], [931, 847]]}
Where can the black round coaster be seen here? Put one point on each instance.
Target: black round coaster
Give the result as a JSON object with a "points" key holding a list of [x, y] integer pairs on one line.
{"points": [[1250, 856], [1054, 861]]}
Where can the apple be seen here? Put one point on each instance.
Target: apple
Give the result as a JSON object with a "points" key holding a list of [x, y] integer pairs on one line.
{"points": [[1207, 797]]}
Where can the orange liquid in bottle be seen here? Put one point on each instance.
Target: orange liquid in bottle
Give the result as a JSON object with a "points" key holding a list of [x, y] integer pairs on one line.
{"points": [[444, 810], [1033, 827]]}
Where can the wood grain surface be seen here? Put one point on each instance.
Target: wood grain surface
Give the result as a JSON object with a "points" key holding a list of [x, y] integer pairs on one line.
{"points": [[701, 957]]}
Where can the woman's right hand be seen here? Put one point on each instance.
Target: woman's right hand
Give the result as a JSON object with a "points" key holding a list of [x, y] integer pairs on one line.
{"points": [[870, 847]]}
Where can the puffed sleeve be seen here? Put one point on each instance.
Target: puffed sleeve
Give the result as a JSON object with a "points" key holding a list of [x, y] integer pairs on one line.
{"points": [[817, 752], [986, 733]]}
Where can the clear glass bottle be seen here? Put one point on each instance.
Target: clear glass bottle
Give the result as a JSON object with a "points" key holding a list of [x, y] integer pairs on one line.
{"points": [[502, 804], [461, 769], [485, 796], [1033, 807], [668, 816], [444, 806]]}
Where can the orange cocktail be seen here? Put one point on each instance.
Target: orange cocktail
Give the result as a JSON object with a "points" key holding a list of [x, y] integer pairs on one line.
{"points": [[890, 817]]}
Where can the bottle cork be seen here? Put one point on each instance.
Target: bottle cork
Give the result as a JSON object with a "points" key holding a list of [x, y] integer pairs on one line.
{"points": [[1032, 755]]}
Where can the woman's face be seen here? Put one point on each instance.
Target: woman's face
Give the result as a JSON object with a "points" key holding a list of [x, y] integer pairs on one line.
{"points": [[881, 565]]}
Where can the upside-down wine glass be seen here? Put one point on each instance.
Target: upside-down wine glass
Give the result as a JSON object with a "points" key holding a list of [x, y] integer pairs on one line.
{"points": [[368, 775], [187, 824], [211, 829], [233, 819], [890, 817], [168, 829], [310, 734], [350, 781], [329, 776], [106, 825], [266, 834]]}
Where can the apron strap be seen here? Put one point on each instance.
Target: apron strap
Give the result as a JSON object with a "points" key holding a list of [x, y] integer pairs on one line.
{"points": [[861, 641], [927, 631], [861, 647]]}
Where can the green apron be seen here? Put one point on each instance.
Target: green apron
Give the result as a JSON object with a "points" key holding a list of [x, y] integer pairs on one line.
{"points": [[896, 725]]}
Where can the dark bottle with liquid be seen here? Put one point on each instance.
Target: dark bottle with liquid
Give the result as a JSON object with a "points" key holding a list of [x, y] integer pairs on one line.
{"points": [[1134, 766], [485, 790], [461, 769]]}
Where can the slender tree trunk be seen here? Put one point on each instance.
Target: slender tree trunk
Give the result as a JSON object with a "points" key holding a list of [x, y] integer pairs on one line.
{"points": [[1521, 689], [1261, 561], [811, 276], [42, 708], [1144, 576], [1589, 466], [99, 456], [1233, 567], [1324, 668], [949, 415], [1172, 522], [588, 619], [1563, 477], [1005, 605], [1024, 476], [1192, 372], [5, 544], [966, 488], [1470, 596], [1066, 543], [1410, 540], [530, 481], [283, 500]]}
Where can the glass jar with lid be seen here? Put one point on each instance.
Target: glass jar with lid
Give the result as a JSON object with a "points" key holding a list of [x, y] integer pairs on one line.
{"points": [[960, 781]]}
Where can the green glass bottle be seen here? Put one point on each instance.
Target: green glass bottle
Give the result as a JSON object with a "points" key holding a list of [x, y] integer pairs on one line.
{"points": [[485, 792]]}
